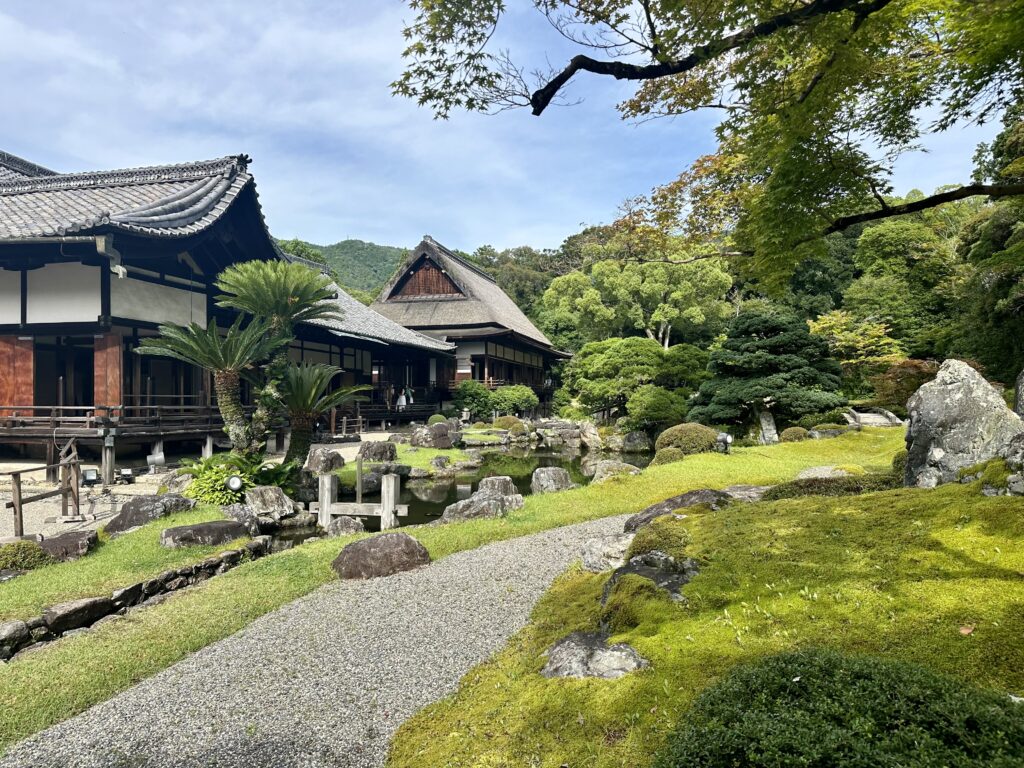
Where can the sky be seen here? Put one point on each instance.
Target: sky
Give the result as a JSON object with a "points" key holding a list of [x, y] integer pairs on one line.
{"points": [[303, 88]]}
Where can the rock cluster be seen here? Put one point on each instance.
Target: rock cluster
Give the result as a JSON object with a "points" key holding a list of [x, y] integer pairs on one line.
{"points": [[434, 436], [140, 510], [378, 451], [550, 480], [587, 654], [559, 433], [76, 615], [957, 420], [629, 442], [603, 470], [495, 497], [381, 555]]}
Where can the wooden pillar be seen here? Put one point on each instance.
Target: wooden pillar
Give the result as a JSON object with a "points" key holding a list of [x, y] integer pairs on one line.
{"points": [[108, 372], [17, 373], [389, 502], [108, 460]]}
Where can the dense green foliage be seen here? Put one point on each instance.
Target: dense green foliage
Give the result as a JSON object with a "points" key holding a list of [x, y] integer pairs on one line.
{"points": [[210, 475], [651, 408], [514, 399], [793, 434], [668, 455], [769, 362], [474, 397], [852, 485], [23, 556], [437, 418], [506, 422], [820, 707], [688, 438]]}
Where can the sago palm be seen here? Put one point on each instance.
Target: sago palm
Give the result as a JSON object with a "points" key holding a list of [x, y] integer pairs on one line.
{"points": [[305, 394], [226, 356]]}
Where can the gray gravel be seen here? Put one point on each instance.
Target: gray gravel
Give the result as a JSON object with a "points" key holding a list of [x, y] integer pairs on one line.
{"points": [[327, 679]]}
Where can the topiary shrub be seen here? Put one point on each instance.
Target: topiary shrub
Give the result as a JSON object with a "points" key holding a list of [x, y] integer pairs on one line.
{"points": [[506, 422], [688, 438], [833, 486], [515, 398], [519, 430], [667, 456], [23, 556], [822, 708], [828, 417], [794, 435], [479, 425], [437, 418], [899, 464], [474, 397]]}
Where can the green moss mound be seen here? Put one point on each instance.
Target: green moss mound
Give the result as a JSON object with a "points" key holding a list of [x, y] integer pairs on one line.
{"points": [[833, 486], [688, 438], [899, 464], [830, 427], [633, 601], [507, 422], [794, 435], [667, 456], [665, 534], [835, 416], [821, 708], [994, 472], [23, 556], [437, 418]]}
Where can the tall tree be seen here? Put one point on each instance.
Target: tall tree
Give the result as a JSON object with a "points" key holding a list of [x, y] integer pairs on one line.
{"points": [[307, 395]]}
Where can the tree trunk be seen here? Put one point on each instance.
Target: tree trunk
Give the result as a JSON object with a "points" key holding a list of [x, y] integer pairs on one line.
{"points": [[1018, 402], [769, 433], [229, 403], [302, 437]]}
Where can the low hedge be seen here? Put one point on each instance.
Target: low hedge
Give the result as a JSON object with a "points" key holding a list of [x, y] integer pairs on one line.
{"points": [[507, 422], [833, 486], [667, 456], [794, 435], [688, 438], [23, 556], [831, 427], [823, 708]]}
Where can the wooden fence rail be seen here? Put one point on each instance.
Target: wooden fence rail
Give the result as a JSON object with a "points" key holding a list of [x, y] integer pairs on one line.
{"points": [[70, 479]]}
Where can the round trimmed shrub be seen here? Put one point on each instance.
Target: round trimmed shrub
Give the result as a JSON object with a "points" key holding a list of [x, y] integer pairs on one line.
{"points": [[23, 556], [667, 456], [794, 435], [822, 708], [899, 463], [437, 418], [479, 425], [506, 422], [519, 430], [688, 438]]}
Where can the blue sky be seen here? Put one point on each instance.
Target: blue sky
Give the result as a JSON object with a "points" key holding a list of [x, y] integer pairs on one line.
{"points": [[302, 87]]}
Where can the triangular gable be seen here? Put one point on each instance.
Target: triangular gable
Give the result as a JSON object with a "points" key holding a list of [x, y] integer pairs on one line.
{"points": [[423, 277]]}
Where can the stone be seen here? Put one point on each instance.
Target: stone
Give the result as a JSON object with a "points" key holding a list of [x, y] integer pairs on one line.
{"points": [[243, 514], [608, 468], [746, 493], [590, 437], [381, 555], [821, 473], [1015, 485], [378, 451], [606, 553], [202, 534], [440, 462], [140, 510], [587, 654], [6, 574], [128, 596], [71, 545], [1018, 396], [433, 436], [269, 501], [664, 570], [13, 635], [481, 506], [956, 421], [259, 546], [344, 526], [636, 442], [402, 470], [500, 485], [371, 482], [322, 460], [417, 473], [550, 480], [769, 435], [714, 499], [76, 613]]}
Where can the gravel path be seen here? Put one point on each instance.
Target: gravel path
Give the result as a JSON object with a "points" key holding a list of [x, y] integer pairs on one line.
{"points": [[325, 680]]}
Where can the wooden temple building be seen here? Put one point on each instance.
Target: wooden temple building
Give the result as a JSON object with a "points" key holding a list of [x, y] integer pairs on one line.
{"points": [[440, 294], [90, 263]]}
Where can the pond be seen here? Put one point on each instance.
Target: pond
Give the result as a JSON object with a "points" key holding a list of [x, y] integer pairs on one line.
{"points": [[427, 499]]}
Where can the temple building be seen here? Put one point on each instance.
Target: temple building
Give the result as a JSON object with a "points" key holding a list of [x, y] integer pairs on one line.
{"points": [[90, 263], [444, 296]]}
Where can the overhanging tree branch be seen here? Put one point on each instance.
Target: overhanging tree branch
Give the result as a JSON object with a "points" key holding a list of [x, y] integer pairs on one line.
{"points": [[620, 70]]}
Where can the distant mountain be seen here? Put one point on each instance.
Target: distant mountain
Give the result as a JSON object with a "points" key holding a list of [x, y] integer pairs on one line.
{"points": [[362, 265]]}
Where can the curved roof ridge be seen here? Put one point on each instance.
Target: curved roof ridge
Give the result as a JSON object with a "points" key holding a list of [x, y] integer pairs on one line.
{"points": [[20, 167]]}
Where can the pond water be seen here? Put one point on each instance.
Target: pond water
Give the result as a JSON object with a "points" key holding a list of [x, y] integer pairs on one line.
{"points": [[427, 499]]}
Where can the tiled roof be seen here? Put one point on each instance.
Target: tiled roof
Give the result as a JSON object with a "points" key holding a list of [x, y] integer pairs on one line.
{"points": [[159, 201], [483, 302], [13, 168]]}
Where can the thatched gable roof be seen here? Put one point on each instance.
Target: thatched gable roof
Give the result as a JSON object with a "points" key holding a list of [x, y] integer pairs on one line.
{"points": [[480, 304]]}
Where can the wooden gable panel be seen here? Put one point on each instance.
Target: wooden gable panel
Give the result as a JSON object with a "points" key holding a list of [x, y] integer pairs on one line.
{"points": [[426, 279]]}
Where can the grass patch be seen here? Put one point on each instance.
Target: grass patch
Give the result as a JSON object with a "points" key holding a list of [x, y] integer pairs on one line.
{"points": [[115, 563], [94, 666], [934, 577]]}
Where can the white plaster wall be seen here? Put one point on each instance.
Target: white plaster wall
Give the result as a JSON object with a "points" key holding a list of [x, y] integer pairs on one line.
{"points": [[139, 300], [10, 296], [64, 293]]}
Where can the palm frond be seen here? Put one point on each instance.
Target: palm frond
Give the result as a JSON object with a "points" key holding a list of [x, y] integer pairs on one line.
{"points": [[304, 389], [283, 292], [235, 350]]}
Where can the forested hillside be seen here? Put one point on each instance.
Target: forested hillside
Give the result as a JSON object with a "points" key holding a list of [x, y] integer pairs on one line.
{"points": [[357, 263]]}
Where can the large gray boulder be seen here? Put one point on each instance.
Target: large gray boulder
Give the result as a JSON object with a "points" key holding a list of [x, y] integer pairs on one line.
{"points": [[481, 505], [13, 635], [956, 421], [606, 553], [140, 510], [69, 546], [378, 450], [587, 654], [269, 501], [76, 613], [590, 437], [714, 499], [243, 514], [637, 442], [499, 485], [320, 460], [380, 556], [203, 534], [550, 480], [604, 470], [344, 526], [433, 436]]}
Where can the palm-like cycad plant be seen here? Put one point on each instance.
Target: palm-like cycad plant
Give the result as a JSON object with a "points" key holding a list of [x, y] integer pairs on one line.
{"points": [[305, 394], [226, 356], [283, 292]]}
